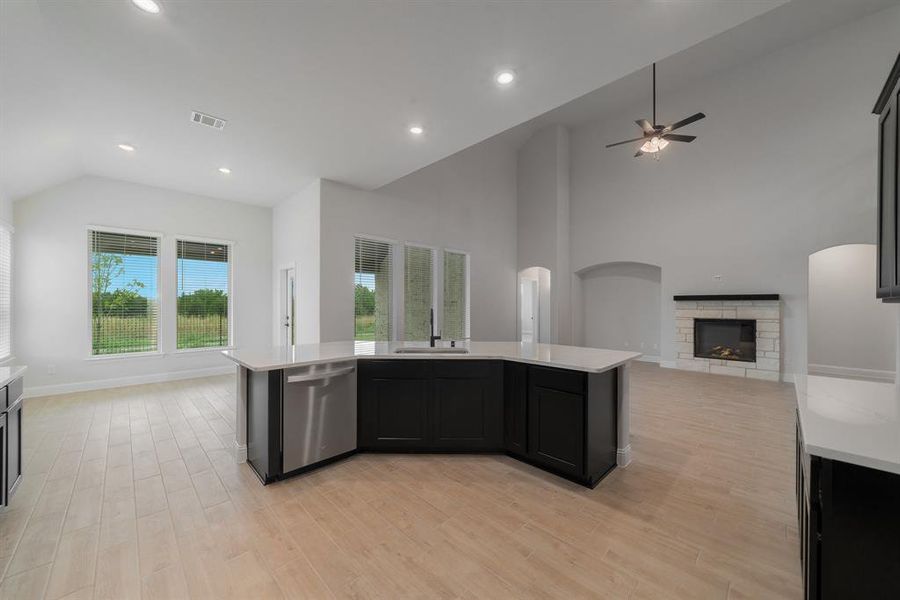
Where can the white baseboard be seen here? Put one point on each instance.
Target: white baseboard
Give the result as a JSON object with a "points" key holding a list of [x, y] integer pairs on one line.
{"points": [[668, 364], [240, 452], [852, 372], [648, 358], [623, 456], [102, 384]]}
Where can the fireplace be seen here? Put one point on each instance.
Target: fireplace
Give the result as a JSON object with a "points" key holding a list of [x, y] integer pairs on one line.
{"points": [[725, 339]]}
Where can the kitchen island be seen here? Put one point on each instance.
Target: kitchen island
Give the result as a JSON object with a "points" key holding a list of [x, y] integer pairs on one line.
{"points": [[563, 409]]}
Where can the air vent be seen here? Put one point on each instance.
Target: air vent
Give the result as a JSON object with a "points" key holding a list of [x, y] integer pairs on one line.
{"points": [[208, 120]]}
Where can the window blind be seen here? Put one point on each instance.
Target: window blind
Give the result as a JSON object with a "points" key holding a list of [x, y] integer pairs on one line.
{"points": [[124, 296], [418, 292], [203, 285], [5, 291], [373, 293], [456, 304]]}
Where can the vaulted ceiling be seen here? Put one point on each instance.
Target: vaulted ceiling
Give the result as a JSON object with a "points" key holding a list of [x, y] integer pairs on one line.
{"points": [[309, 89]]}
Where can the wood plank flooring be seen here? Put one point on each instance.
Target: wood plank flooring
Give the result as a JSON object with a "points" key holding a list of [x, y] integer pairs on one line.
{"points": [[132, 493]]}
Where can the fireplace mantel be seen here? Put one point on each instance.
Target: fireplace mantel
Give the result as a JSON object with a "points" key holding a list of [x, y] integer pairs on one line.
{"points": [[705, 297]]}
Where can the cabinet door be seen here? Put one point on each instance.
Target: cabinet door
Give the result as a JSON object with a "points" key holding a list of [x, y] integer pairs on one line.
{"points": [[3, 501], [556, 429], [892, 166], [515, 410], [887, 201], [13, 448], [393, 404], [466, 405]]}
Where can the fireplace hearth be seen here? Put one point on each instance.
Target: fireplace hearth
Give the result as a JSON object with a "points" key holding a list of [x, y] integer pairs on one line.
{"points": [[725, 339]]}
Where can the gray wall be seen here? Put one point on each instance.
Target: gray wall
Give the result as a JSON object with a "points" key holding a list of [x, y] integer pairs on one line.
{"points": [[785, 165], [543, 219], [51, 291], [850, 331], [621, 307], [464, 202]]}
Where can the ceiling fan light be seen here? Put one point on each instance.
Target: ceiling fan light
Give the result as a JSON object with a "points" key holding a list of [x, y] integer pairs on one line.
{"points": [[654, 144]]}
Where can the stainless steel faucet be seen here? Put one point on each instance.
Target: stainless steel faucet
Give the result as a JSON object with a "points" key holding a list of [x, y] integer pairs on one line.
{"points": [[433, 337]]}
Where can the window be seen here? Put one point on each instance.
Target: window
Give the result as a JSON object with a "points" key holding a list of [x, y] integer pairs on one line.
{"points": [[124, 298], [455, 317], [418, 294], [5, 291], [373, 290], [203, 287]]}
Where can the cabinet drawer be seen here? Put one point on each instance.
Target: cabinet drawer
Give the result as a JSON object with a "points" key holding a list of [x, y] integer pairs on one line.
{"points": [[400, 368], [572, 382]]}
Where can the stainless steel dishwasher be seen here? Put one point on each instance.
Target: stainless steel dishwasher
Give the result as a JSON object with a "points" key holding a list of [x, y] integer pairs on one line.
{"points": [[318, 414]]}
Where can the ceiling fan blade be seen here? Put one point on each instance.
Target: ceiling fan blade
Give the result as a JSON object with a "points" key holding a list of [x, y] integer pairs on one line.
{"points": [[638, 153], [625, 142], [645, 125], [675, 137], [683, 122]]}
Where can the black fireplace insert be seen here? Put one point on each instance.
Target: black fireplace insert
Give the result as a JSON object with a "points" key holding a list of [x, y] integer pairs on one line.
{"points": [[727, 339]]}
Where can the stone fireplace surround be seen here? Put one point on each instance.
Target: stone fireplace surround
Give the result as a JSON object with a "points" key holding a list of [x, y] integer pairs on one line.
{"points": [[765, 309]]}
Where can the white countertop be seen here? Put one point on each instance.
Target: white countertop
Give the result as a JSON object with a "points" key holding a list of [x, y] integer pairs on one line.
{"points": [[851, 420], [591, 360], [10, 373]]}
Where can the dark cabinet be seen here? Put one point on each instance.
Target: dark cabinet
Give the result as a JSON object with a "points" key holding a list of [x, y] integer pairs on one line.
{"points": [[555, 425], [888, 274], [849, 529], [515, 408], [394, 397], [572, 422], [11, 439], [467, 405]]}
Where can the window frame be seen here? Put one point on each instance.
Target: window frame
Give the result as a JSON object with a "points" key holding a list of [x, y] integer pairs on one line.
{"points": [[398, 310], [436, 294], [90, 286], [397, 291], [203, 240], [11, 231], [468, 283]]}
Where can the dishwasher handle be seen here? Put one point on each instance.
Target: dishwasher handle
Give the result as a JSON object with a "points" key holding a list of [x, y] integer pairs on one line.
{"points": [[320, 375]]}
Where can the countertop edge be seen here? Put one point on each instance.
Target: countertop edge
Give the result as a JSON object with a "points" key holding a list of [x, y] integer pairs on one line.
{"points": [[831, 453], [529, 361], [17, 371]]}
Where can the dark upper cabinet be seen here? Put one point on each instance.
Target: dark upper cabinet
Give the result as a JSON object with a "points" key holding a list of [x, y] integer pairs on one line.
{"points": [[394, 404], [888, 278], [515, 408], [556, 419], [467, 405]]}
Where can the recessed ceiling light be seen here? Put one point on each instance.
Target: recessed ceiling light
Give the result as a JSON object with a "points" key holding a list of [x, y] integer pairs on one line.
{"points": [[505, 77], [224, 170], [147, 6], [126, 147], [416, 130]]}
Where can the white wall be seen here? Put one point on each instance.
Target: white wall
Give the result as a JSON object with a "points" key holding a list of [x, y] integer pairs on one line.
{"points": [[543, 219], [466, 202], [621, 307], [785, 165], [850, 331], [295, 243], [51, 293], [6, 208]]}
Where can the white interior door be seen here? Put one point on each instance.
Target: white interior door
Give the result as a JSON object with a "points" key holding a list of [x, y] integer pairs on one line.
{"points": [[528, 310], [288, 307]]}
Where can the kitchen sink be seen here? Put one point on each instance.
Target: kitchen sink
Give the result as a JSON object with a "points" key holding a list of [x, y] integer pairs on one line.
{"points": [[428, 350]]}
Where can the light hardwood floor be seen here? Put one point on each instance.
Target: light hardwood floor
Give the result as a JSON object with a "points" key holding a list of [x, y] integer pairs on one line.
{"points": [[132, 493]]}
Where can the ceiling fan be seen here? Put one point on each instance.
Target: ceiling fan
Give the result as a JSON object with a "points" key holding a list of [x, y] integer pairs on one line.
{"points": [[656, 137]]}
